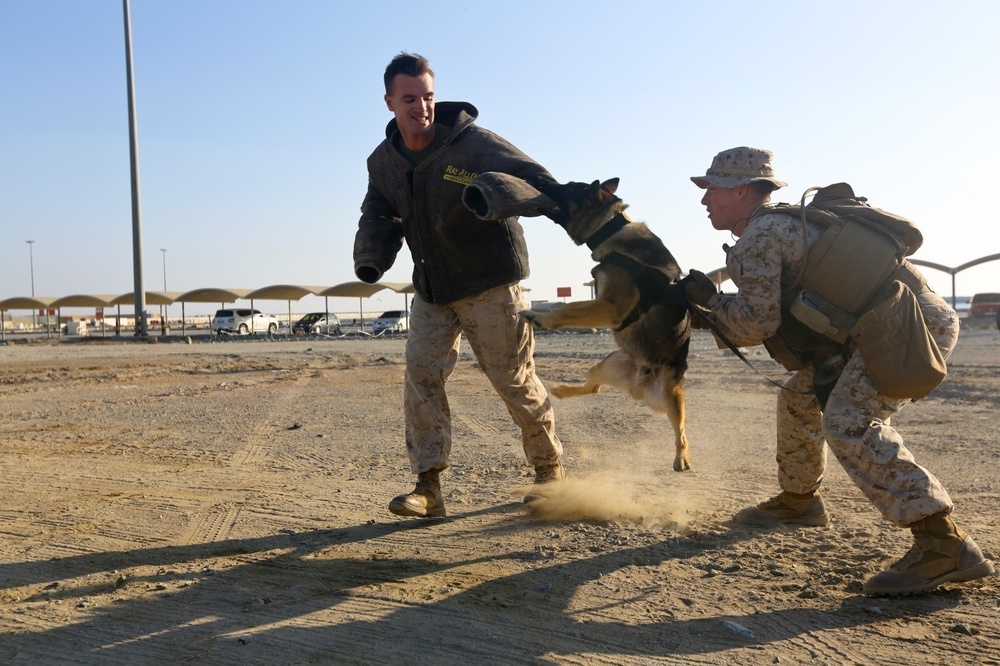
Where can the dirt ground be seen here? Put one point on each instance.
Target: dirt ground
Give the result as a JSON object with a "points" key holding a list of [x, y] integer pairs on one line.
{"points": [[224, 503]]}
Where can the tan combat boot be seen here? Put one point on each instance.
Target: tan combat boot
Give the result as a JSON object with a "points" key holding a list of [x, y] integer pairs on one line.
{"points": [[941, 552], [786, 507], [545, 474], [424, 501]]}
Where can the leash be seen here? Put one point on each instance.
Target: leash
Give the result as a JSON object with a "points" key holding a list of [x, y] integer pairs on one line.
{"points": [[668, 292], [697, 312]]}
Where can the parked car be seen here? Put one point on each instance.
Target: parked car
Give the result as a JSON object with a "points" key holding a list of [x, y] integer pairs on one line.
{"points": [[243, 321], [393, 321], [984, 305], [317, 322]]}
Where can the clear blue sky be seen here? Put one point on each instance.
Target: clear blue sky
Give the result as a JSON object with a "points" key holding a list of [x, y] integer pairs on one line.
{"points": [[255, 119]]}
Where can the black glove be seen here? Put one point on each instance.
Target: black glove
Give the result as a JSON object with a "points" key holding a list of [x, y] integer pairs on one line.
{"points": [[698, 288]]}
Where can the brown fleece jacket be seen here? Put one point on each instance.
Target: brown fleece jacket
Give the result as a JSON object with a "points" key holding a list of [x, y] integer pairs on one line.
{"points": [[455, 254]]}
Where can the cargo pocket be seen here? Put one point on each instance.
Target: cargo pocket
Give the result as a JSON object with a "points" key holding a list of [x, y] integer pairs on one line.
{"points": [[902, 357]]}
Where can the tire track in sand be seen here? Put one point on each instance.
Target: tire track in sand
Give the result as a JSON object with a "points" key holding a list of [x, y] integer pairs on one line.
{"points": [[217, 523]]}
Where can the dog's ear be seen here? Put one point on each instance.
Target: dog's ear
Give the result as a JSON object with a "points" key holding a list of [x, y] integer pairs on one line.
{"points": [[610, 186]]}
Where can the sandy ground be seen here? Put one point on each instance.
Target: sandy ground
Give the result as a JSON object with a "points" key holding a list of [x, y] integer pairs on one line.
{"points": [[225, 503]]}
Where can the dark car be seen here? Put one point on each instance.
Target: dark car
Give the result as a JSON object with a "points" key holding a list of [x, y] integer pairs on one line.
{"points": [[984, 305], [326, 323]]}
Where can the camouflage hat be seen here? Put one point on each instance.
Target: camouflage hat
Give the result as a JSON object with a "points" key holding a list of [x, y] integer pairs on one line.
{"points": [[739, 166]]}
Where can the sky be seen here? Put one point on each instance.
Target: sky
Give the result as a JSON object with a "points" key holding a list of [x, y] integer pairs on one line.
{"points": [[255, 119]]}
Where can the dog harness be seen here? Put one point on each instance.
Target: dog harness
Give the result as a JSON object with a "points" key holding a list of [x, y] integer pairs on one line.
{"points": [[655, 288]]}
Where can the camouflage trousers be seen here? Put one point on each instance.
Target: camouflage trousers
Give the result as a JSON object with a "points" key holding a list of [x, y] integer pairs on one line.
{"points": [[504, 345], [855, 426]]}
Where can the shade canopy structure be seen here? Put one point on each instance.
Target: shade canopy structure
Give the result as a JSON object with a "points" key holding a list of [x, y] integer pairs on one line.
{"points": [[152, 298], [405, 288], [356, 289], [213, 295], [718, 276], [23, 303], [84, 301], [220, 295], [360, 290], [283, 292], [26, 303]]}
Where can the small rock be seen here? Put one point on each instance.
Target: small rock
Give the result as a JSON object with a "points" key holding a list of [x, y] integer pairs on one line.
{"points": [[964, 629], [295, 426], [738, 628]]}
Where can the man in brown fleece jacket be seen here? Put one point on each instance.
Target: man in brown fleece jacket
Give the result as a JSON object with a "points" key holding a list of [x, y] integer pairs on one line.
{"points": [[466, 274]]}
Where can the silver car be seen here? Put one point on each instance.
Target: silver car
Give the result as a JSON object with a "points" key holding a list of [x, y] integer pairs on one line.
{"points": [[393, 321], [243, 321]]}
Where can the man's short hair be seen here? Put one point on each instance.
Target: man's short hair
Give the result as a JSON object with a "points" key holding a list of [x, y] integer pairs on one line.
{"points": [[410, 64], [763, 188]]}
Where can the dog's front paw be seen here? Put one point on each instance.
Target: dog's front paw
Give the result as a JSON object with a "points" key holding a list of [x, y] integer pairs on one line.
{"points": [[532, 318], [681, 463]]}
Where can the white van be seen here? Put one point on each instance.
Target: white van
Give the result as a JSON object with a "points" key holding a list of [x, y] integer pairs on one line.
{"points": [[393, 321]]}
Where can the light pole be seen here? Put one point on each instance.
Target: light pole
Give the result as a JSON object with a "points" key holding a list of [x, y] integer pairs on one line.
{"points": [[133, 134], [31, 258], [163, 308]]}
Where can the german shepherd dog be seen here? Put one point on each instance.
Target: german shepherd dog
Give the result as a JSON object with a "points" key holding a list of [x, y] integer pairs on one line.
{"points": [[637, 296]]}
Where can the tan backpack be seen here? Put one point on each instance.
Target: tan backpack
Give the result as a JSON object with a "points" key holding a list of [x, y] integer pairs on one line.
{"points": [[857, 285]]}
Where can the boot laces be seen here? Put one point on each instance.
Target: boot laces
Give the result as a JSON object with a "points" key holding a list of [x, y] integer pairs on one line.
{"points": [[775, 502], [921, 548]]}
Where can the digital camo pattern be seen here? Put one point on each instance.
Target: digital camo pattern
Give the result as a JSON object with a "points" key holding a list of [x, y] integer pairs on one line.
{"points": [[739, 166], [767, 257], [855, 425], [504, 346]]}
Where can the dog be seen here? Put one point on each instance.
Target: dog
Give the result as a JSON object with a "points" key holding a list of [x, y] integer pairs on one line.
{"points": [[637, 296]]}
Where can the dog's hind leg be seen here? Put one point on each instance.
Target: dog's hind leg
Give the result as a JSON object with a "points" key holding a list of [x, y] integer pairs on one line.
{"points": [[615, 370], [666, 395]]}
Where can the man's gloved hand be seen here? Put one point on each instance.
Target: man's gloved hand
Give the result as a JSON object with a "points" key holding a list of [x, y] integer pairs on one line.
{"points": [[698, 288]]}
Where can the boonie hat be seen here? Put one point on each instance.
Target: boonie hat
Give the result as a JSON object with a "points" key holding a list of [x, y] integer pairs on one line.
{"points": [[739, 166]]}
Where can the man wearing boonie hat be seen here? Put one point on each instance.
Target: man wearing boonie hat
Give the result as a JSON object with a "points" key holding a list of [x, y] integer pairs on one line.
{"points": [[766, 262]]}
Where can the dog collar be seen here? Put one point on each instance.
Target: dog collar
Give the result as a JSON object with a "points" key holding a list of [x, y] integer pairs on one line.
{"points": [[613, 226]]}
